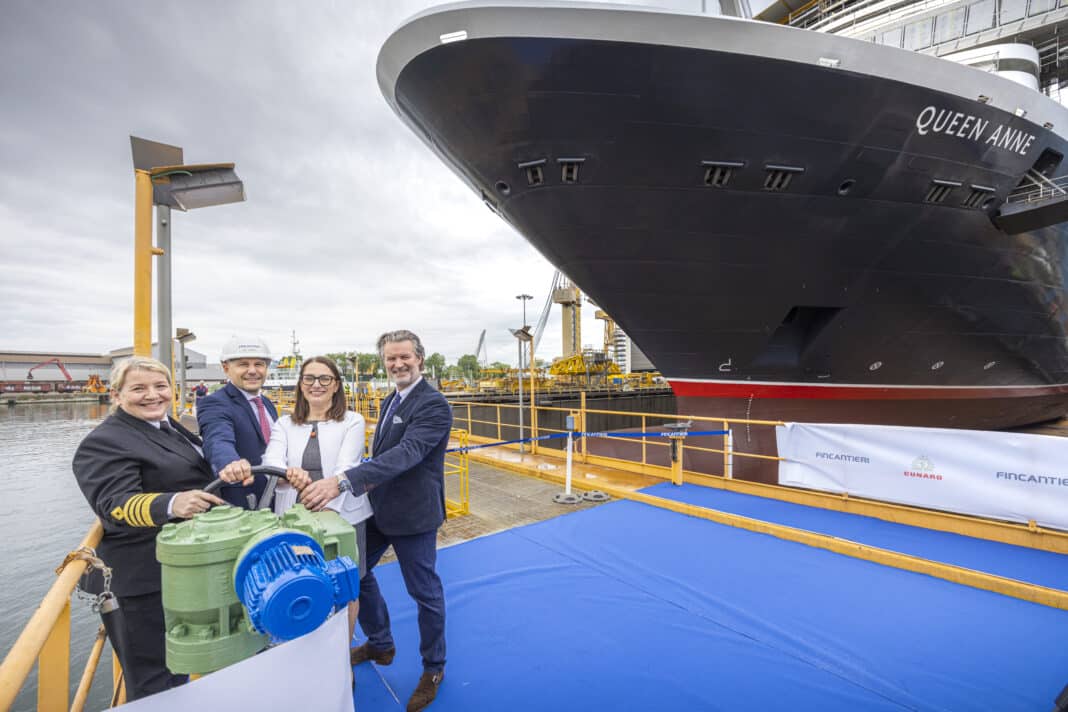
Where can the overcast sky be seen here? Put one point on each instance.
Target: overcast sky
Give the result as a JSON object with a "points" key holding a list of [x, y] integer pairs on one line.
{"points": [[351, 226]]}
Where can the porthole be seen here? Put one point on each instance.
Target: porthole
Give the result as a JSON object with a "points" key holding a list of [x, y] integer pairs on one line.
{"points": [[846, 186], [503, 188]]}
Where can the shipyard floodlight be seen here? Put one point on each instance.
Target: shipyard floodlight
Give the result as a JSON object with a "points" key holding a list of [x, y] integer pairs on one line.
{"points": [[165, 181], [201, 186], [526, 298]]}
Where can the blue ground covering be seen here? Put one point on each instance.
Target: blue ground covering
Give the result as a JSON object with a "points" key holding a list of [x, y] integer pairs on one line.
{"points": [[1015, 562], [630, 607]]}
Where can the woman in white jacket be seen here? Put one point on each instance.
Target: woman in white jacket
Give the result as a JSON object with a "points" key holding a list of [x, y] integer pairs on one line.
{"points": [[321, 438]]}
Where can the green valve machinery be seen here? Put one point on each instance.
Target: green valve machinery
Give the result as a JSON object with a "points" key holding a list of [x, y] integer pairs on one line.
{"points": [[236, 580]]}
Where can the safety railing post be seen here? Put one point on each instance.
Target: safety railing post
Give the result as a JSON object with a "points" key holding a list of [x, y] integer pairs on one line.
{"points": [[53, 665], [728, 452], [533, 426], [676, 460], [643, 440], [567, 496], [567, 478], [583, 424], [499, 422], [726, 449]]}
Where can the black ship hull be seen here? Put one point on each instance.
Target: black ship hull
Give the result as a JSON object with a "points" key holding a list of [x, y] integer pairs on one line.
{"points": [[784, 240]]}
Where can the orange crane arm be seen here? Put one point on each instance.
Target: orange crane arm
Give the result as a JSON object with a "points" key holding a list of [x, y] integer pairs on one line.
{"points": [[57, 362]]}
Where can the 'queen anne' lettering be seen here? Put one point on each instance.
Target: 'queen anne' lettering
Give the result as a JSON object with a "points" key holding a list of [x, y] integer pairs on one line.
{"points": [[972, 128]]}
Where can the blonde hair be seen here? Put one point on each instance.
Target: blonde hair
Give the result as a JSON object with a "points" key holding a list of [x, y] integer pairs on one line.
{"points": [[135, 363]]}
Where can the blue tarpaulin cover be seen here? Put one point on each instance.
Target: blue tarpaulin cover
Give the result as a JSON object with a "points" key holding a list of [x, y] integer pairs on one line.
{"points": [[631, 607], [1016, 562]]}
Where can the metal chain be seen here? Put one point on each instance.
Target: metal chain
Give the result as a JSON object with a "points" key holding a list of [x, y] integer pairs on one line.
{"points": [[105, 600]]}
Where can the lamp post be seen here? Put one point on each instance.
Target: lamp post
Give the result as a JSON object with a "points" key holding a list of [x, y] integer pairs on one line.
{"points": [[183, 336], [522, 336], [164, 181], [523, 298]]}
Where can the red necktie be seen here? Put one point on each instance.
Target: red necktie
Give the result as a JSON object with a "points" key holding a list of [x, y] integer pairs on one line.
{"points": [[265, 423]]}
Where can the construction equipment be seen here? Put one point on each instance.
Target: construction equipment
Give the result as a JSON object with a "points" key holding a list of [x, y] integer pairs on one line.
{"points": [[58, 364], [94, 385], [584, 369]]}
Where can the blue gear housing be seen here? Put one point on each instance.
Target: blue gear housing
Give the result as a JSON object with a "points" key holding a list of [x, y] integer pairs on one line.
{"points": [[288, 588]]}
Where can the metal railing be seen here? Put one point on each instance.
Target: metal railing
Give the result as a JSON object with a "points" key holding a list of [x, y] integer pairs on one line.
{"points": [[45, 642], [489, 422], [1041, 188]]}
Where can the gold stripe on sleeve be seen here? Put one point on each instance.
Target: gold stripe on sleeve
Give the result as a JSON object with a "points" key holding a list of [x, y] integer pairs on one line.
{"points": [[144, 510], [129, 510]]}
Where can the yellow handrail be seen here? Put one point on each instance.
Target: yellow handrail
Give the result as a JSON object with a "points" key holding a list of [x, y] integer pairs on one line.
{"points": [[47, 622]]}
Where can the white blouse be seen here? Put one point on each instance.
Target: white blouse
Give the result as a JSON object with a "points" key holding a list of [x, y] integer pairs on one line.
{"points": [[340, 448]]}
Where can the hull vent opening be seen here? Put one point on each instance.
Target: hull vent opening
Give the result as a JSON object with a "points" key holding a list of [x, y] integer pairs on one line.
{"points": [[778, 178], [939, 191], [535, 171], [569, 169], [718, 173], [978, 197]]}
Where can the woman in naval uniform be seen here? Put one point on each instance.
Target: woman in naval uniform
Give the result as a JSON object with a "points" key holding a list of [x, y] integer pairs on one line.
{"points": [[140, 469]]}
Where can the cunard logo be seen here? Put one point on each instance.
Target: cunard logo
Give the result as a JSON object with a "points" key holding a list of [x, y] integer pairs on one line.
{"points": [[923, 469]]}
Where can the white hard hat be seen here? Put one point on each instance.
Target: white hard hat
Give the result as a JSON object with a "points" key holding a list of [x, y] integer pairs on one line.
{"points": [[245, 347]]}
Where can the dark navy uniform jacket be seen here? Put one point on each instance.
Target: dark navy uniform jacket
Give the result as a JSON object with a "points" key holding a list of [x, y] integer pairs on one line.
{"points": [[128, 470], [231, 431], [405, 480]]}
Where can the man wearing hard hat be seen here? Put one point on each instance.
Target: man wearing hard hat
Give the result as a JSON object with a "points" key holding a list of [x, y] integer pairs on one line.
{"points": [[235, 421]]}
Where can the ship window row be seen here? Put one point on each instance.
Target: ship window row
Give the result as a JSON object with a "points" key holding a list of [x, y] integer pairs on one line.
{"points": [[961, 21]]}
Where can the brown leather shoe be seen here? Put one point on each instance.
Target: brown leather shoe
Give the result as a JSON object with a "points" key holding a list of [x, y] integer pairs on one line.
{"points": [[365, 652], [426, 690]]}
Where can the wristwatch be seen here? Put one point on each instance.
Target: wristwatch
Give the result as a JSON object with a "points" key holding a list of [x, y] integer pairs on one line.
{"points": [[343, 483]]}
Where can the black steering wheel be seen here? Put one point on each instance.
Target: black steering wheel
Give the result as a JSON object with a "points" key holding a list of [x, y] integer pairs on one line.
{"points": [[272, 474]]}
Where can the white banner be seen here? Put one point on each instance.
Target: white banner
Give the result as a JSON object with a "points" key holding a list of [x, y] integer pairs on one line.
{"points": [[1009, 476], [309, 673]]}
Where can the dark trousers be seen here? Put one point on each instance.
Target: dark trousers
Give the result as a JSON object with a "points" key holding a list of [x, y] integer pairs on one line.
{"points": [[417, 555], [136, 633]]}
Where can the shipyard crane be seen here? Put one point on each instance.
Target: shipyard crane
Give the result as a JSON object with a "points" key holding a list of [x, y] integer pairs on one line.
{"points": [[609, 330], [59, 365], [568, 296]]}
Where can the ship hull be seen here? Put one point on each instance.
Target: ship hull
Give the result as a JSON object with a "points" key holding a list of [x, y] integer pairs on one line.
{"points": [[847, 294]]}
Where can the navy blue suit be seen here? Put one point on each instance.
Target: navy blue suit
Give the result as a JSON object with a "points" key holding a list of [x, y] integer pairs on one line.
{"points": [[405, 481], [231, 430]]}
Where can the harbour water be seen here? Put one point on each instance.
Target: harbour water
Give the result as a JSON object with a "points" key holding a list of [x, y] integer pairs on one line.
{"points": [[42, 517]]}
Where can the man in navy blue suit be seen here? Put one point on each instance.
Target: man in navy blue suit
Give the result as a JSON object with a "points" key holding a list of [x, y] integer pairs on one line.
{"points": [[405, 482], [235, 421]]}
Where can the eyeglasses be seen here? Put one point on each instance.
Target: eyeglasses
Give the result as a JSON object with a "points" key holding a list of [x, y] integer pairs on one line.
{"points": [[323, 380]]}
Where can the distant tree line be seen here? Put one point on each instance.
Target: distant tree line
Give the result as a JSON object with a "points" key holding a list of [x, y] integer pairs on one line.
{"points": [[369, 366]]}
